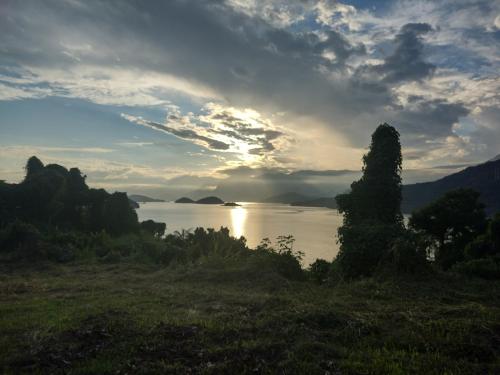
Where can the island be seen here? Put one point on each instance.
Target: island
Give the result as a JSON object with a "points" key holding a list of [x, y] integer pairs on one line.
{"points": [[143, 199], [231, 204], [185, 200], [210, 200], [206, 200]]}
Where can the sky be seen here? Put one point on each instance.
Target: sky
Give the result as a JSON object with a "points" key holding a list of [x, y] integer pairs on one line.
{"points": [[166, 97]]}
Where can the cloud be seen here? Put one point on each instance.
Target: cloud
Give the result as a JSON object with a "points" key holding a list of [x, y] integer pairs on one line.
{"points": [[329, 69], [29, 149], [407, 62], [183, 133], [224, 129]]}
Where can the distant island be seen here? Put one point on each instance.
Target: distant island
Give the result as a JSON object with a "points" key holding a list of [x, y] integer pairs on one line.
{"points": [[185, 200], [231, 204], [210, 200], [143, 199], [317, 202], [206, 200]]}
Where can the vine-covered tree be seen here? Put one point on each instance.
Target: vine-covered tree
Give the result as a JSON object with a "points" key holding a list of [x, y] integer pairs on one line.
{"points": [[372, 210]]}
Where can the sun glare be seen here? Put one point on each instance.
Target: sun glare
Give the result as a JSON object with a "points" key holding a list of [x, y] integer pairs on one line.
{"points": [[238, 220]]}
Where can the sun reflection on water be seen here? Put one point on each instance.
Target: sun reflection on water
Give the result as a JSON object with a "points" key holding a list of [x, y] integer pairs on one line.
{"points": [[238, 219]]}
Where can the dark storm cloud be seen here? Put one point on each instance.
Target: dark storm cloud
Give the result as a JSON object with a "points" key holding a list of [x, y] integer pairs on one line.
{"points": [[247, 60], [407, 62], [199, 41], [434, 118], [341, 47]]}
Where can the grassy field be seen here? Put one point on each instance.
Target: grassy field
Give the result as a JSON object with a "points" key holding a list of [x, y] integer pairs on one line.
{"points": [[224, 318]]}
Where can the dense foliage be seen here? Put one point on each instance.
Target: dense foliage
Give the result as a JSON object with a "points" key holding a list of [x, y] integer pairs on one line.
{"points": [[372, 214], [451, 232], [53, 197], [452, 221]]}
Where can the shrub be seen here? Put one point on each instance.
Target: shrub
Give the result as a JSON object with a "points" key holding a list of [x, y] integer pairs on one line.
{"points": [[486, 268], [480, 247], [100, 243], [127, 245], [206, 242], [153, 228], [60, 254], [319, 271], [408, 254], [284, 260], [112, 256], [20, 236]]}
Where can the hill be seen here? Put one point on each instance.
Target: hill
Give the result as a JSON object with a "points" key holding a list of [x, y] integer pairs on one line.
{"points": [[318, 202], [143, 199], [484, 178], [184, 200], [287, 198], [210, 200]]}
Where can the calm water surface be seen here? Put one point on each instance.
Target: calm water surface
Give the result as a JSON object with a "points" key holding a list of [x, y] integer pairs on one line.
{"points": [[314, 228]]}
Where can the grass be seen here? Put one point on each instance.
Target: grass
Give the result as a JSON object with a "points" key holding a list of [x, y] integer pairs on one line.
{"points": [[222, 318]]}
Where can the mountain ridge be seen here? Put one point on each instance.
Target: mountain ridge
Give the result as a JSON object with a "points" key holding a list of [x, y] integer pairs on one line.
{"points": [[139, 198], [484, 178]]}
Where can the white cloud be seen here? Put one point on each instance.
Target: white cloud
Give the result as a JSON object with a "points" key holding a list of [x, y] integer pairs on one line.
{"points": [[268, 56], [99, 84]]}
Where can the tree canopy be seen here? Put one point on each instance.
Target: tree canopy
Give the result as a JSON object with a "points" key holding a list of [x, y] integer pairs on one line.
{"points": [[452, 221], [53, 196]]}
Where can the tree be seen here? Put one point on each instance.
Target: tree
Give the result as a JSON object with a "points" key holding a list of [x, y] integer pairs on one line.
{"points": [[119, 217], [33, 166], [153, 228], [76, 199], [451, 221], [487, 244], [53, 196], [372, 210]]}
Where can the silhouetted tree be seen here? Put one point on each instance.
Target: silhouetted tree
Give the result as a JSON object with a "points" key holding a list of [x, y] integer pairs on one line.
{"points": [[154, 228], [118, 216], [452, 221], [52, 196], [33, 166], [372, 210], [75, 199], [39, 197]]}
